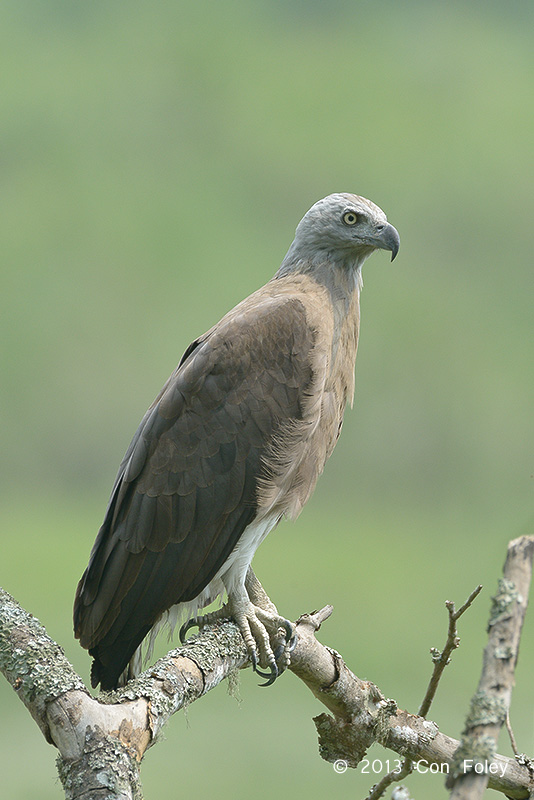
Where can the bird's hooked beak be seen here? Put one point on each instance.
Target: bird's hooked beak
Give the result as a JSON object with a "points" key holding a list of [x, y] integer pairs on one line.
{"points": [[388, 239]]}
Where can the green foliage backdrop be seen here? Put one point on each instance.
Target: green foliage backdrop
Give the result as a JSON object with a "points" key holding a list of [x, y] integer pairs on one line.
{"points": [[155, 159]]}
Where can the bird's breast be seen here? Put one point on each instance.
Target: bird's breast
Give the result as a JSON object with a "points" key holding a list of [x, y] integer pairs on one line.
{"points": [[299, 450]]}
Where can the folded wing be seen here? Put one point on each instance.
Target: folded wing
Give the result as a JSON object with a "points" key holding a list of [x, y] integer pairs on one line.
{"points": [[187, 487]]}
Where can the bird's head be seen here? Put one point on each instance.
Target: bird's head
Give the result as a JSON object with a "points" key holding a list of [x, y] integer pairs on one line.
{"points": [[343, 228]]}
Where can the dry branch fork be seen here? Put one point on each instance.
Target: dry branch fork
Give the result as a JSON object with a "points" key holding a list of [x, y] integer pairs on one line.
{"points": [[102, 741]]}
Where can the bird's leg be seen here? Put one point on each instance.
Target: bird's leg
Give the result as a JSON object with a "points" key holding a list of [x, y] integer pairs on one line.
{"points": [[282, 632], [250, 619], [257, 593], [246, 616], [260, 624]]}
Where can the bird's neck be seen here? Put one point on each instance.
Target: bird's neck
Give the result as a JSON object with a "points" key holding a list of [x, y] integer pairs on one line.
{"points": [[343, 281], [341, 274]]}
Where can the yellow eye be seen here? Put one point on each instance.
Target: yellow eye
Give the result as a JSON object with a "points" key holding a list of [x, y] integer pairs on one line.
{"points": [[350, 218]]}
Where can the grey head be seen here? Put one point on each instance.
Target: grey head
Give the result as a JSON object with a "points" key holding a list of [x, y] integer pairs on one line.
{"points": [[341, 228]]}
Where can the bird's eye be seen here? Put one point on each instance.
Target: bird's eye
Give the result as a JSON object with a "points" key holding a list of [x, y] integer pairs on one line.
{"points": [[350, 218]]}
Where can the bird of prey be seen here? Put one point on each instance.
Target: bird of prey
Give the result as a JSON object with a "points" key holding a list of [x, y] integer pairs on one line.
{"points": [[235, 440]]}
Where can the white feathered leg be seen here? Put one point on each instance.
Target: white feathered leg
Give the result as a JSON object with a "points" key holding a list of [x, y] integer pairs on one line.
{"points": [[268, 636]]}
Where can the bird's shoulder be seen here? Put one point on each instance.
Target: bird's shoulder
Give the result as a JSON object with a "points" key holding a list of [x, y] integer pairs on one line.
{"points": [[280, 324], [254, 364], [298, 298]]}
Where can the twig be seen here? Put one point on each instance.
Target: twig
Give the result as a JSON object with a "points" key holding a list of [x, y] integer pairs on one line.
{"points": [[474, 758], [511, 734], [441, 659], [521, 758], [392, 777]]}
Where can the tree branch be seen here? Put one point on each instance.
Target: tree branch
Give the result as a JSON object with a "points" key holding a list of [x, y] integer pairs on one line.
{"points": [[442, 659], [101, 741], [394, 776], [491, 702]]}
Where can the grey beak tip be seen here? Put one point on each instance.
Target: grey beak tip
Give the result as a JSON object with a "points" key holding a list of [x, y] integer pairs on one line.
{"points": [[392, 240]]}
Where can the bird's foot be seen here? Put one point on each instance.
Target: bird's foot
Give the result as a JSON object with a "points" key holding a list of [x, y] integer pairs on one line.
{"points": [[269, 638], [201, 620], [282, 632]]}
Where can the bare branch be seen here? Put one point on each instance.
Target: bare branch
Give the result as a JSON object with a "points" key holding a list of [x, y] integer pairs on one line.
{"points": [[392, 777], [441, 659], [490, 703], [511, 734], [362, 715], [120, 726]]}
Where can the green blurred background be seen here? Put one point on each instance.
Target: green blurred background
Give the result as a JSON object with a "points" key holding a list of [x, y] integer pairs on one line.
{"points": [[155, 160]]}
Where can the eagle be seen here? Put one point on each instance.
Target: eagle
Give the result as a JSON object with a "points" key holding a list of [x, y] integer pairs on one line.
{"points": [[235, 440]]}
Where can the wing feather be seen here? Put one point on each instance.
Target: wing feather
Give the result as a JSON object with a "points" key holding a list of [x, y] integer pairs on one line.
{"points": [[188, 485]]}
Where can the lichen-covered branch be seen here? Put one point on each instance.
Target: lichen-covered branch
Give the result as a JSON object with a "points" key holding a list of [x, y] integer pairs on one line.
{"points": [[490, 703], [32, 662], [102, 741], [362, 716], [440, 659]]}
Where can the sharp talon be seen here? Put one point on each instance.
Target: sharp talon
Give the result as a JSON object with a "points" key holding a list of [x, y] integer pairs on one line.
{"points": [[263, 674], [293, 642], [185, 628], [289, 629], [271, 677], [278, 652], [269, 682]]}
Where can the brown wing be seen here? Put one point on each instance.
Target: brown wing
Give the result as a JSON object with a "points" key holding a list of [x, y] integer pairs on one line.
{"points": [[187, 487]]}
